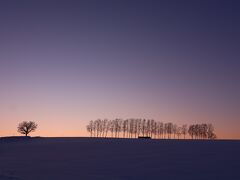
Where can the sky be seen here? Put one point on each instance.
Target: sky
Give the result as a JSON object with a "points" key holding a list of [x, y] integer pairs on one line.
{"points": [[64, 63]]}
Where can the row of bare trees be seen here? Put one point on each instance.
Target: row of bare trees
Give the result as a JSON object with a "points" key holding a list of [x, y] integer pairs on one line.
{"points": [[133, 128]]}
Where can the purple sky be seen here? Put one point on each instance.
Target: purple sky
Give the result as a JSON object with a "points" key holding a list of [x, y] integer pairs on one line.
{"points": [[64, 63]]}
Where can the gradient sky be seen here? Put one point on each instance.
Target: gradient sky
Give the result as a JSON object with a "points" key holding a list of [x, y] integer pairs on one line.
{"points": [[64, 63]]}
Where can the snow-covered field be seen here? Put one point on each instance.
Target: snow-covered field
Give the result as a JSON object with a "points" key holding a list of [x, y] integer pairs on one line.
{"points": [[91, 158]]}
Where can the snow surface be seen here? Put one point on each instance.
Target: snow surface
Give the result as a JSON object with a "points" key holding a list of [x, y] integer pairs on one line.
{"points": [[115, 159]]}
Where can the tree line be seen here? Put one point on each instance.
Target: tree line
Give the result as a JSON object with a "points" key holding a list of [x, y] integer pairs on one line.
{"points": [[134, 128]]}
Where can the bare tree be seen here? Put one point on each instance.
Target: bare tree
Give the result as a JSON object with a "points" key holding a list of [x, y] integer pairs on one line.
{"points": [[184, 130], [210, 132], [191, 131], [143, 128], [165, 128], [174, 130], [169, 127], [179, 132], [124, 127], [27, 127], [161, 129], [139, 126], [108, 125], [90, 127]]}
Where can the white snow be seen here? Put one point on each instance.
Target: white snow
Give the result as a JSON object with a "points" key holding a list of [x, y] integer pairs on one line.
{"points": [[92, 158]]}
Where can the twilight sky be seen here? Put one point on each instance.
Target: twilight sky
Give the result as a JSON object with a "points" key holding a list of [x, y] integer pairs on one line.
{"points": [[64, 63]]}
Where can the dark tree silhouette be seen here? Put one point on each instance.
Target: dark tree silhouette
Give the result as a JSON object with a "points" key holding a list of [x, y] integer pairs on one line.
{"points": [[174, 130], [191, 131], [27, 127], [133, 128], [210, 132], [179, 132], [184, 130], [202, 131], [90, 128]]}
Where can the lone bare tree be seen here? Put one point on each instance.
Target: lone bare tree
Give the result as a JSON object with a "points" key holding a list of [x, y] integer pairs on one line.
{"points": [[27, 127]]}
